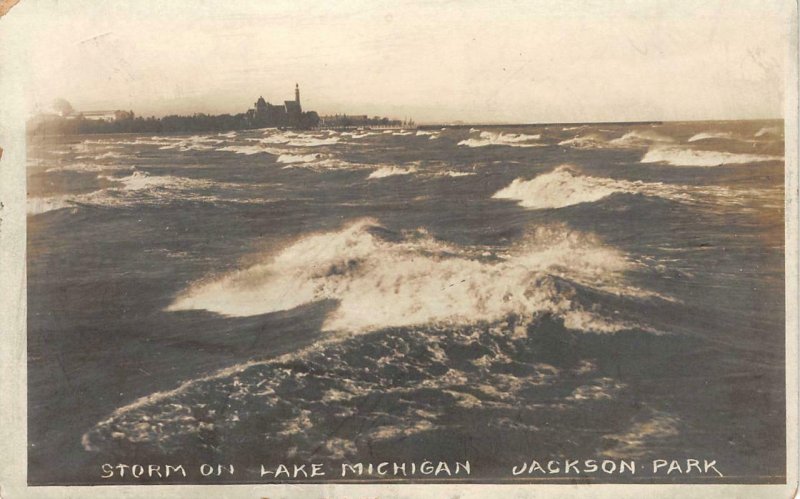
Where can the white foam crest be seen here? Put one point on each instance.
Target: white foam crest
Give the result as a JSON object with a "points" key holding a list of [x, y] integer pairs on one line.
{"points": [[590, 141], [101, 156], [328, 164], [638, 138], [94, 146], [769, 130], [313, 142], [379, 283], [564, 186], [143, 188], [139, 180], [247, 149], [390, 171], [710, 136], [299, 158], [110, 155], [143, 181], [451, 173], [694, 157], [294, 139], [193, 143], [501, 139], [356, 135], [98, 141], [600, 389]]}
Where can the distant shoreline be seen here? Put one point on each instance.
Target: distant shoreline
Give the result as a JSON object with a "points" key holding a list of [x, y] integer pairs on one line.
{"points": [[415, 127], [574, 123]]}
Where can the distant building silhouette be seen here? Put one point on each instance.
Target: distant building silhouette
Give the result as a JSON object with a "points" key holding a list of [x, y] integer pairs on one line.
{"points": [[64, 120], [290, 114]]}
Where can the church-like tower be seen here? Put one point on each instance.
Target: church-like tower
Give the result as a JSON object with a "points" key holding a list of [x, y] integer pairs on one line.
{"points": [[297, 95]]}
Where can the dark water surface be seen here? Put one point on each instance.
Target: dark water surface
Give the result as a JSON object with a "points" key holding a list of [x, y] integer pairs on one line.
{"points": [[493, 295]]}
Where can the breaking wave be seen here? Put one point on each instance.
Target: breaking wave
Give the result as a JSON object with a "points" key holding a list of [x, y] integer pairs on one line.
{"points": [[294, 139], [565, 186], [248, 150], [391, 171], [312, 142], [589, 141], [694, 157], [380, 283], [455, 174], [299, 158], [500, 139], [141, 188], [357, 135], [770, 130], [710, 136], [194, 143], [457, 337], [639, 138], [140, 180], [634, 139]]}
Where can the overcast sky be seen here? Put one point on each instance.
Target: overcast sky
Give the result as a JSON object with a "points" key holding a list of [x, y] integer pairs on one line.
{"points": [[435, 61]]}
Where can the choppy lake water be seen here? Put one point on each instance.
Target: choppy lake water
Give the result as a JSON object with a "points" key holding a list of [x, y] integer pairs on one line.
{"points": [[489, 294]]}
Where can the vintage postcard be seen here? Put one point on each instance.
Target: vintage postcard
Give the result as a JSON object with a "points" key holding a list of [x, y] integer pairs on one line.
{"points": [[398, 248]]}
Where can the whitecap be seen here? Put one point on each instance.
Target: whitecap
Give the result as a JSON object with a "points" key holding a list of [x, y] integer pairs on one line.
{"points": [[590, 141], [390, 171], [695, 157], [639, 138], [193, 143], [501, 139], [451, 173], [247, 150], [769, 130], [565, 186], [710, 136], [299, 158], [379, 283]]}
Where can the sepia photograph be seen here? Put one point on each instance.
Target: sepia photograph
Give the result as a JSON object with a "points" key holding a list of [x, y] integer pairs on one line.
{"points": [[531, 243]]}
